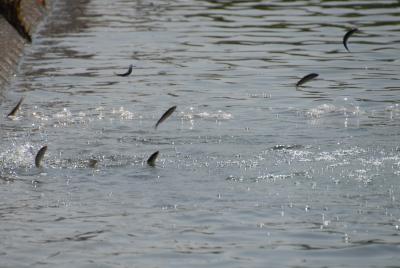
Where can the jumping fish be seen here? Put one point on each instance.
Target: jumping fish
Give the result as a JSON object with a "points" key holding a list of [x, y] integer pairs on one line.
{"points": [[306, 78], [287, 147], [347, 36], [152, 159], [39, 156], [92, 163], [127, 72], [16, 108], [165, 115]]}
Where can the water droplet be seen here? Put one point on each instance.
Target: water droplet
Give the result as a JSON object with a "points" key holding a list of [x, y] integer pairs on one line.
{"points": [[314, 185], [346, 238]]}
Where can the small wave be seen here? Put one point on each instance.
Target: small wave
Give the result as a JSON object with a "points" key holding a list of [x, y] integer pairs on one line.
{"points": [[65, 113], [123, 114], [394, 111], [18, 155], [77, 237], [269, 177], [361, 175], [218, 115], [348, 152], [326, 108]]}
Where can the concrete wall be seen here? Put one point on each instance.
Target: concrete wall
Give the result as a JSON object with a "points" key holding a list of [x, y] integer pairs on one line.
{"points": [[18, 22]]}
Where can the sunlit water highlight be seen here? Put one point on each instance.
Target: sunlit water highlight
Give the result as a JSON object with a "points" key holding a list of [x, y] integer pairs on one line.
{"points": [[252, 171]]}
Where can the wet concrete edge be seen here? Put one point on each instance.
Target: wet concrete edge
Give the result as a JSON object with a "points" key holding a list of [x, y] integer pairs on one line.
{"points": [[19, 20]]}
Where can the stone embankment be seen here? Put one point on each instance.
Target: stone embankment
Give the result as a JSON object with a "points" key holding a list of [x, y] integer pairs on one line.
{"points": [[18, 22]]}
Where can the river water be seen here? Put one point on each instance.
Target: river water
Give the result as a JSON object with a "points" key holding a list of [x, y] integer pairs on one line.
{"points": [[252, 171]]}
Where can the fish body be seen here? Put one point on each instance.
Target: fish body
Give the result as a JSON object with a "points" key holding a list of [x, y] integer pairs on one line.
{"points": [[306, 78], [39, 156], [287, 147], [92, 163], [152, 159], [165, 115], [347, 36], [127, 72], [16, 108]]}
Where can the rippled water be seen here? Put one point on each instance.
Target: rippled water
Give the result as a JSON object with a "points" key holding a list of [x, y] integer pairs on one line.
{"points": [[252, 171]]}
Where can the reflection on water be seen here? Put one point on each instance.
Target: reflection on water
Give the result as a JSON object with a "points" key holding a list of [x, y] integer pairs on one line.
{"points": [[251, 170]]}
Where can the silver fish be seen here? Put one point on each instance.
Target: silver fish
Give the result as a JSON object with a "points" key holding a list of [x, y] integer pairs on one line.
{"points": [[306, 78], [16, 108], [346, 37], [127, 72], [287, 147], [92, 163], [39, 156], [165, 115], [152, 159]]}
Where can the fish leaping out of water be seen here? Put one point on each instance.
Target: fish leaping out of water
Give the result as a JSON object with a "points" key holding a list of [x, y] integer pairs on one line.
{"points": [[128, 72], [306, 78], [165, 116], [39, 156], [152, 159], [347, 36]]}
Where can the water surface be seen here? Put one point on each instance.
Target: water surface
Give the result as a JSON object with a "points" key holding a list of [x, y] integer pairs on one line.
{"points": [[252, 171]]}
